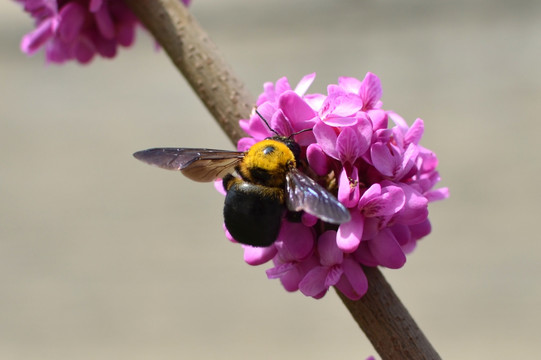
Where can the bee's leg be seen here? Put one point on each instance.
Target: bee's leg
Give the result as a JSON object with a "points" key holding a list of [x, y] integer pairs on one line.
{"points": [[294, 216], [227, 181]]}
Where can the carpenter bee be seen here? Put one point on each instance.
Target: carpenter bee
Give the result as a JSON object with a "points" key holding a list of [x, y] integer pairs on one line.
{"points": [[261, 184]]}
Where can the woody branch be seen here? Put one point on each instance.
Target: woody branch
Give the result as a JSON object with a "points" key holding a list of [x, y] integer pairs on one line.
{"points": [[380, 314]]}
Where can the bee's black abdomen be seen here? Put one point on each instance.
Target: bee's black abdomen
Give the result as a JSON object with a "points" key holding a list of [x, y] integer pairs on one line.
{"points": [[253, 214]]}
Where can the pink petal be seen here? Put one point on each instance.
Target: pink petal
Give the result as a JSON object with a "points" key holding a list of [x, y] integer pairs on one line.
{"points": [[72, 17], [347, 145], [317, 159], [280, 270], [438, 194], [95, 5], [350, 144], [295, 241], [409, 247], [370, 194], [401, 233], [32, 41], [266, 110], [364, 256], [371, 228], [328, 106], [304, 84], [315, 101], [244, 124], [245, 143], [429, 160], [339, 104], [308, 219], [334, 275], [415, 209], [382, 159], [383, 135], [281, 124], [291, 279], [333, 91], [84, 50], [344, 286], [219, 186], [378, 118], [386, 250], [346, 105], [58, 51], [305, 138], [40, 9], [415, 132], [348, 186], [329, 254], [258, 255], [296, 110], [228, 234], [340, 121], [408, 161], [282, 85], [104, 22], [420, 230], [349, 234], [314, 282], [105, 47], [125, 34], [365, 132], [349, 84], [390, 202], [354, 283], [370, 91], [398, 120], [326, 138], [255, 126], [269, 94], [398, 139]]}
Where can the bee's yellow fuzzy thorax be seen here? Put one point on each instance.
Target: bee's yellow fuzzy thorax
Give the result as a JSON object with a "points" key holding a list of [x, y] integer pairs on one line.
{"points": [[270, 156]]}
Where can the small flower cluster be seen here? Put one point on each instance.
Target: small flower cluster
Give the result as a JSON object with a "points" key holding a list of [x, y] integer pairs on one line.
{"points": [[382, 174], [79, 29]]}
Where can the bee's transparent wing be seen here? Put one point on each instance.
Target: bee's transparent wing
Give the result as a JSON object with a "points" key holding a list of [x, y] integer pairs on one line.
{"points": [[303, 193], [201, 165]]}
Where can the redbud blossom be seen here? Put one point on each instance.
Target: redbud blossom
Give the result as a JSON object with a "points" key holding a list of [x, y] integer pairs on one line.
{"points": [[383, 176]]}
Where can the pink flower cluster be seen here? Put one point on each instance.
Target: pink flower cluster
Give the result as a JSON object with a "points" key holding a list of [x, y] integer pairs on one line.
{"points": [[79, 29], [384, 177]]}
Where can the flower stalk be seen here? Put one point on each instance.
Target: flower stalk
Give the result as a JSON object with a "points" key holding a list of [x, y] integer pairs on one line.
{"points": [[387, 323], [380, 314]]}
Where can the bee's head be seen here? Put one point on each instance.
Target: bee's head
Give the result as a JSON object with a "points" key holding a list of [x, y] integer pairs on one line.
{"points": [[291, 144]]}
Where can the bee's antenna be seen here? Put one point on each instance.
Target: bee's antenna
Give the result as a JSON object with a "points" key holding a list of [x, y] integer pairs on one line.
{"points": [[274, 131], [266, 123], [299, 132]]}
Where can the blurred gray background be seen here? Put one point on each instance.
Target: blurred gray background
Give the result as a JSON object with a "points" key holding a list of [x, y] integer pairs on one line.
{"points": [[102, 257]]}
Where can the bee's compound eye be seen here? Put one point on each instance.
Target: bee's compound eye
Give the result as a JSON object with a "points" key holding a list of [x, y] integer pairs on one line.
{"points": [[268, 150]]}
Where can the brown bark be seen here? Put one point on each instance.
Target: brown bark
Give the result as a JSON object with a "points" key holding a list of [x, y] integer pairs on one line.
{"points": [[387, 323]]}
